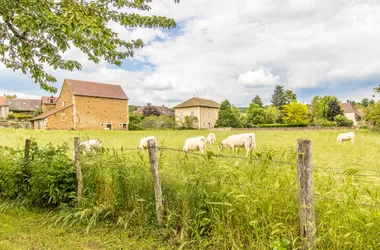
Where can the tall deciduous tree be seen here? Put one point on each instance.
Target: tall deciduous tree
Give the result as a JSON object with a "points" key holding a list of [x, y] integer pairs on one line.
{"points": [[237, 114], [226, 118], [320, 106], [271, 115], [257, 100], [295, 112], [255, 114], [333, 109], [372, 114], [34, 34], [365, 102], [290, 96]]}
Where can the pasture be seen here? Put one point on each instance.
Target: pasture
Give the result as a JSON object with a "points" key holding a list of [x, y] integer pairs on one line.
{"points": [[220, 202]]}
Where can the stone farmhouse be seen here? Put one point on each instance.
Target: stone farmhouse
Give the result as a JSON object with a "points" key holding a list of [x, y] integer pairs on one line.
{"points": [[48, 103], [205, 110], [163, 110], [15, 105], [86, 105], [351, 113]]}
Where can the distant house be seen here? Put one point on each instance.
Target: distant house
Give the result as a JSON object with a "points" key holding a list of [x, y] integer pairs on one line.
{"points": [[86, 105], [15, 105], [351, 113], [162, 109], [48, 103], [205, 110]]}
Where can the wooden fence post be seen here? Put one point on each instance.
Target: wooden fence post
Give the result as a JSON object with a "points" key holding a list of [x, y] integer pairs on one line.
{"points": [[156, 180], [26, 152], [25, 163], [306, 194], [78, 169]]}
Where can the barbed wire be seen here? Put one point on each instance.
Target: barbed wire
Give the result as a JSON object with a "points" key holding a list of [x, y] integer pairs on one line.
{"points": [[335, 168], [184, 179], [344, 202]]}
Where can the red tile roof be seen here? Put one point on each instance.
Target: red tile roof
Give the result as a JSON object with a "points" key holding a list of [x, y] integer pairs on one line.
{"points": [[50, 112], [95, 89], [45, 100], [195, 102]]}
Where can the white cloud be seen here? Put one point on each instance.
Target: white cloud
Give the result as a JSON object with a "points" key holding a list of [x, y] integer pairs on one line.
{"points": [[260, 77], [223, 45]]}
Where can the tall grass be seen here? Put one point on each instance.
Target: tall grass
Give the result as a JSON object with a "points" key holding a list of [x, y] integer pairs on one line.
{"points": [[210, 202]]}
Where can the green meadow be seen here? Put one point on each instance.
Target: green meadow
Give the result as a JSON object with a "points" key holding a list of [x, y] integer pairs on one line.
{"points": [[211, 202]]}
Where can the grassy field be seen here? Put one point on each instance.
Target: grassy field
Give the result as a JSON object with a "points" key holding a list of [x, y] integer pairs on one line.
{"points": [[209, 203], [326, 152]]}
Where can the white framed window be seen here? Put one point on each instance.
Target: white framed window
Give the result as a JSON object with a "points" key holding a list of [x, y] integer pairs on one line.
{"points": [[192, 113], [102, 124], [63, 117], [181, 114], [63, 103]]}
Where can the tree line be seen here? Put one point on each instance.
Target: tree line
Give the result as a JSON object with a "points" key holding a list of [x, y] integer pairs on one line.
{"points": [[286, 109]]}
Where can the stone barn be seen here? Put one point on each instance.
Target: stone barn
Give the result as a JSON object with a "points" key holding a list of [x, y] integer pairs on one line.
{"points": [[85, 105]]}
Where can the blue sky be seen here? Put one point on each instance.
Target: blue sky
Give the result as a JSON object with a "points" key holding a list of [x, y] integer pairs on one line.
{"points": [[238, 49]]}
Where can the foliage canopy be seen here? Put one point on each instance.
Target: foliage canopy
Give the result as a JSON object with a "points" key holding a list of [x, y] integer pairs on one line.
{"points": [[34, 34]]}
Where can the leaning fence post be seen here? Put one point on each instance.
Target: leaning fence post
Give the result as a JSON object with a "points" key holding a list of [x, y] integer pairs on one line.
{"points": [[306, 194], [78, 169], [157, 183]]}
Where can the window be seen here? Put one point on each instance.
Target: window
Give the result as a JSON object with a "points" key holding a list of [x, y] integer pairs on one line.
{"points": [[209, 113], [102, 124], [63, 117], [121, 124], [192, 113], [181, 114], [63, 104], [203, 113]]}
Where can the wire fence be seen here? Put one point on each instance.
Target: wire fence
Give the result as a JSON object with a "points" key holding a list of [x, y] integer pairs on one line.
{"points": [[357, 174]]}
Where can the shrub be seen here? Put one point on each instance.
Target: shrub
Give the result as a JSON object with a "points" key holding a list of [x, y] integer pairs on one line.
{"points": [[343, 121], [47, 179], [158, 122], [19, 116], [189, 122], [283, 125]]}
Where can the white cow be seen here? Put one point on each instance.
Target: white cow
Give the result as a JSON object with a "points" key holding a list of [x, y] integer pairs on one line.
{"points": [[253, 144], [350, 136], [196, 143], [211, 138], [240, 140], [90, 146], [144, 142]]}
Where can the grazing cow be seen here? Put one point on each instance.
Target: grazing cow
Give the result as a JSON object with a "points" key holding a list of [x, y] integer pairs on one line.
{"points": [[211, 138], [196, 143], [144, 142], [253, 144], [90, 146], [240, 140], [350, 136]]}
